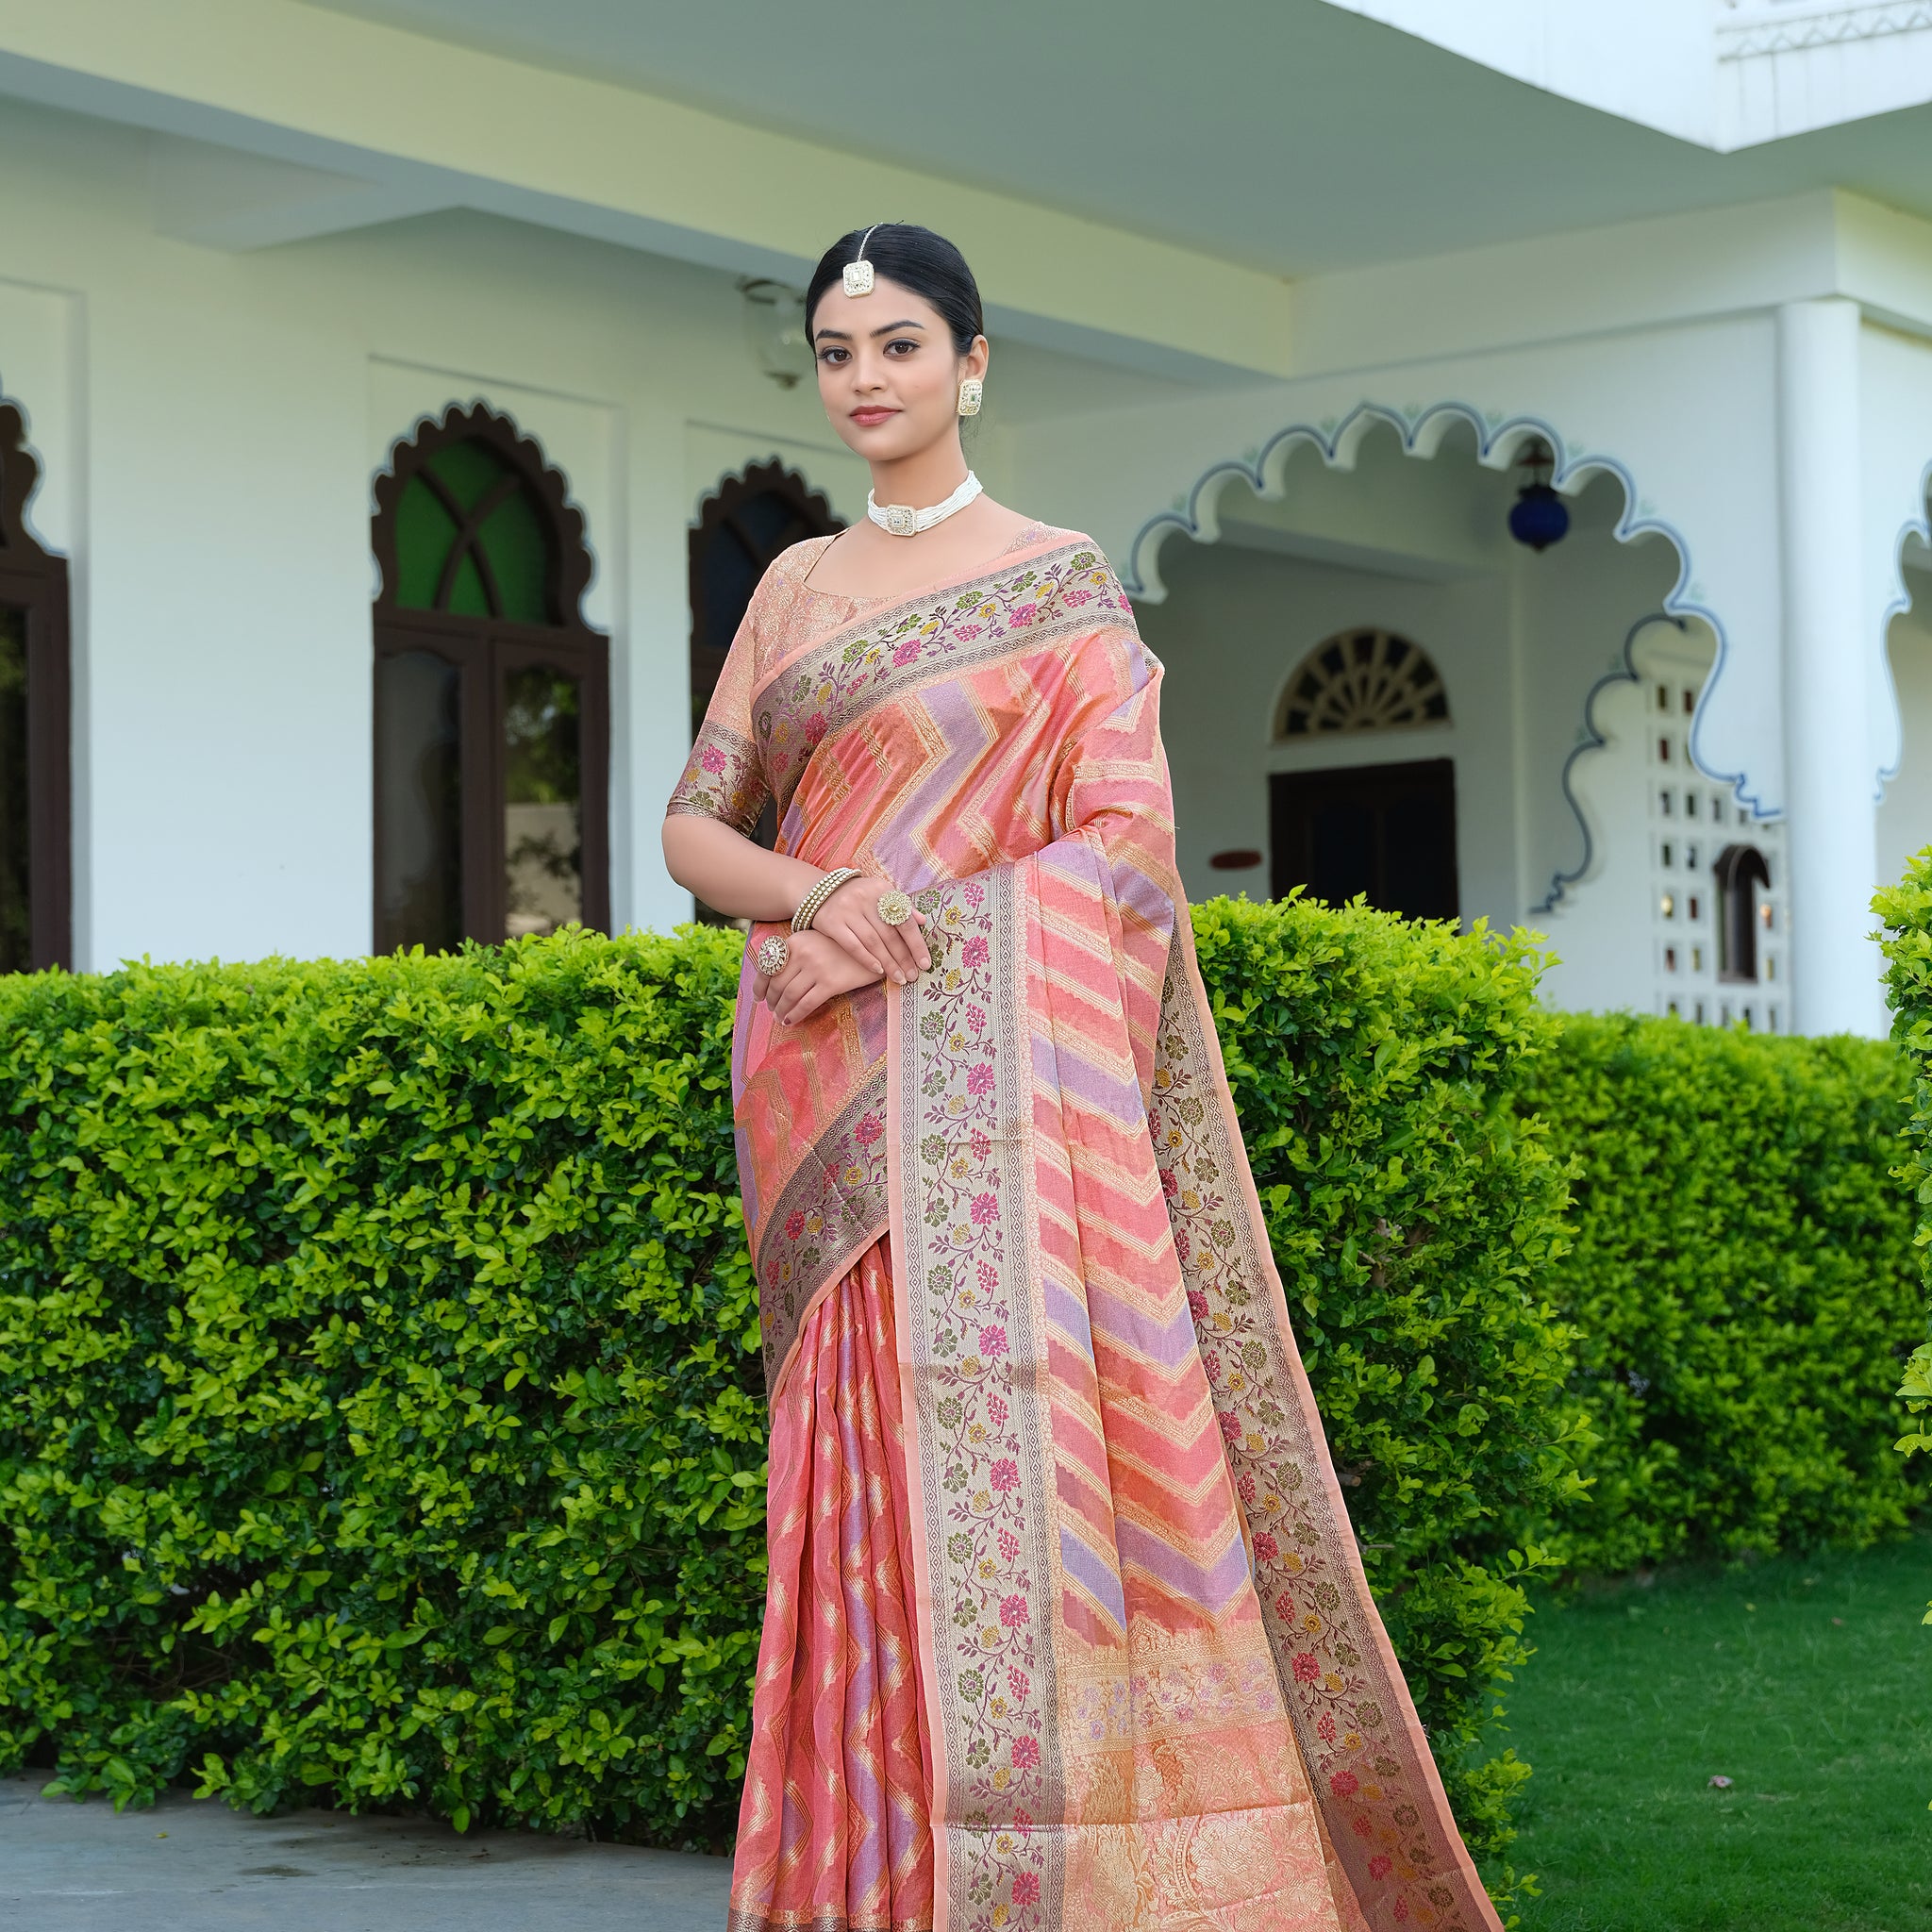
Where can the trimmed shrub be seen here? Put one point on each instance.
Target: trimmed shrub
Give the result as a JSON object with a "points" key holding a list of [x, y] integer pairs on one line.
{"points": [[378, 1385], [1742, 1282], [376, 1371], [1906, 911]]}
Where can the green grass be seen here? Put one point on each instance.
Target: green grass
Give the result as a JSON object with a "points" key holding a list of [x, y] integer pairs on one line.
{"points": [[1807, 1681]]}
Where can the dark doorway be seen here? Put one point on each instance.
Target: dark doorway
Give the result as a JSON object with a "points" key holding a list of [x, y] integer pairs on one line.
{"points": [[36, 909], [1385, 831]]}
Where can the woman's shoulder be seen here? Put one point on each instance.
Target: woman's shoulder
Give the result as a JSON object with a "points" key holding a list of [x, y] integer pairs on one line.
{"points": [[793, 564]]}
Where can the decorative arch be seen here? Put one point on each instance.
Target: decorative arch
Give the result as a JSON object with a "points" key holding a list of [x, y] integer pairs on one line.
{"points": [[492, 693], [742, 525], [36, 798], [1914, 529], [1364, 679], [1590, 737], [1499, 439]]}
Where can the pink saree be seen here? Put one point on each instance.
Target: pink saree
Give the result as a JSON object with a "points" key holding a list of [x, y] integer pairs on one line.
{"points": [[1067, 1627]]}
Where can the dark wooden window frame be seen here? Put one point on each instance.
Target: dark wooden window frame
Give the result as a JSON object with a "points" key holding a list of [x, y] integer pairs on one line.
{"points": [[33, 580], [485, 650], [720, 514]]}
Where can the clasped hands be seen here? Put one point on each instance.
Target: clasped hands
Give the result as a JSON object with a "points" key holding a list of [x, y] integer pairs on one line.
{"points": [[847, 946]]}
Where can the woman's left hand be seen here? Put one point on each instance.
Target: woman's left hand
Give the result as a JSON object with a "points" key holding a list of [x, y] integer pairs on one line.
{"points": [[818, 969]]}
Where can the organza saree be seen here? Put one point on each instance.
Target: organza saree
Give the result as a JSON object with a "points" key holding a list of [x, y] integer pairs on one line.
{"points": [[1066, 1627]]}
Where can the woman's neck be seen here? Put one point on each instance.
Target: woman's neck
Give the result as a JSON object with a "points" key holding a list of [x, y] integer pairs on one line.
{"points": [[926, 477]]}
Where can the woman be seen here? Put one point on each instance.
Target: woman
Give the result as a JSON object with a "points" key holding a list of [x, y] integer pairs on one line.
{"points": [[1066, 1626]]}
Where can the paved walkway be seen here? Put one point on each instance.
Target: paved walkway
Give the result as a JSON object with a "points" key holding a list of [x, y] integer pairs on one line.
{"points": [[189, 1866]]}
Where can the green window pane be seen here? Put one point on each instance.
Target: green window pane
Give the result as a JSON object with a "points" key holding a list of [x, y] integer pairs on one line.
{"points": [[542, 800], [16, 932], [424, 531], [512, 538]]}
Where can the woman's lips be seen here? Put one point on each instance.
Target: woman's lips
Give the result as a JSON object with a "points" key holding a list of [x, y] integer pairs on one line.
{"points": [[867, 418]]}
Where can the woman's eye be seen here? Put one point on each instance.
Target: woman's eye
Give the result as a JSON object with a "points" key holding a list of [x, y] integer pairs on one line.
{"points": [[907, 343]]}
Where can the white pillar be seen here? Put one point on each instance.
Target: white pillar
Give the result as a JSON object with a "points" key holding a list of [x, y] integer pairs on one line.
{"points": [[1829, 774]]}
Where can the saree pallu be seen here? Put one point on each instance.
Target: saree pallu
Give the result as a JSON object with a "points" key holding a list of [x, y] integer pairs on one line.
{"points": [[1067, 1624]]}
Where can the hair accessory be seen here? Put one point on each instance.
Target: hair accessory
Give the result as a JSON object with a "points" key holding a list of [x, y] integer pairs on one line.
{"points": [[773, 953], [895, 908], [902, 520], [857, 272], [814, 901], [971, 394]]}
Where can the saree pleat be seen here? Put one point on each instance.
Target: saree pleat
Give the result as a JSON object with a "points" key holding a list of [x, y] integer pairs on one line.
{"points": [[1067, 1624], [833, 1833]]}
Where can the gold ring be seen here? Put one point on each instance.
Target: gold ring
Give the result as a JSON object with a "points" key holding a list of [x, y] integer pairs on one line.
{"points": [[773, 953], [895, 908]]}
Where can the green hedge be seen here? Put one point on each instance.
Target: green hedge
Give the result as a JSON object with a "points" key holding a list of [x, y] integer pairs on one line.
{"points": [[1906, 911], [377, 1373], [1742, 1282]]}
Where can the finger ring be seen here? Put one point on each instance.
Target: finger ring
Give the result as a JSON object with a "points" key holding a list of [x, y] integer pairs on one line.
{"points": [[895, 908], [773, 953]]}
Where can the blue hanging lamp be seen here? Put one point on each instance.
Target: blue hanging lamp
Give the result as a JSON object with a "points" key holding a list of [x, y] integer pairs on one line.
{"points": [[1538, 517]]}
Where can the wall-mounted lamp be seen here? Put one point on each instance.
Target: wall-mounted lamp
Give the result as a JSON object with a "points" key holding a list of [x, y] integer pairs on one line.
{"points": [[775, 330], [1538, 517]]}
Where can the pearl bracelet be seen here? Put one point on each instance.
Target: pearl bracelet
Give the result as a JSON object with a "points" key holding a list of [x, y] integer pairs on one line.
{"points": [[814, 903]]}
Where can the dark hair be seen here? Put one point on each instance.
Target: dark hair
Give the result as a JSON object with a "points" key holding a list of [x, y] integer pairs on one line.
{"points": [[916, 259]]}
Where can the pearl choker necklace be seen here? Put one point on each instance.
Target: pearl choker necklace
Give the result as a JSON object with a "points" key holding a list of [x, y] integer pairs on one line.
{"points": [[902, 520]]}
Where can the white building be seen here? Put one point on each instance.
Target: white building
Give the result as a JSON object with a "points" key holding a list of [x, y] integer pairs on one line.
{"points": [[1289, 299]]}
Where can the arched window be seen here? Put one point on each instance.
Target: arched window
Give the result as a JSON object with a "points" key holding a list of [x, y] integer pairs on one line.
{"points": [[1738, 869], [741, 526], [1360, 680], [36, 891], [492, 695]]}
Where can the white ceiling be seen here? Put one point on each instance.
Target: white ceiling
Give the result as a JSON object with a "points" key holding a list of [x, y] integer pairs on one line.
{"points": [[1285, 134]]}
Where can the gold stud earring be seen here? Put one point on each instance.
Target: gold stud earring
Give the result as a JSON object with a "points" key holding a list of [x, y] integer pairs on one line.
{"points": [[971, 394]]}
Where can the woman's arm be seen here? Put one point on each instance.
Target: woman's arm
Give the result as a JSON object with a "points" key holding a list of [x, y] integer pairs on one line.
{"points": [[728, 872], [744, 881]]}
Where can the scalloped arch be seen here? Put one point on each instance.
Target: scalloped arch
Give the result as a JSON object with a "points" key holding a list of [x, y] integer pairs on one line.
{"points": [[1589, 739], [21, 473], [571, 562], [1423, 431], [1920, 528]]}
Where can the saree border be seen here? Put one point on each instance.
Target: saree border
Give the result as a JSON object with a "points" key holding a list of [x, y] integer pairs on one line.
{"points": [[1375, 1778], [723, 779], [1037, 536], [828, 688], [831, 1209], [973, 1355]]}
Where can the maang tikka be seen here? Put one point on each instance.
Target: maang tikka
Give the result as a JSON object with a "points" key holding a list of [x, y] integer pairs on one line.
{"points": [[857, 272]]}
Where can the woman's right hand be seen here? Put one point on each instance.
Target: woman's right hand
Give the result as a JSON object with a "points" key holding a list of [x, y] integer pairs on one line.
{"points": [[851, 919], [817, 969]]}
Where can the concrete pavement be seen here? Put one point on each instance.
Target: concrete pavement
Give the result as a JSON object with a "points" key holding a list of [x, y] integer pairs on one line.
{"points": [[189, 1866]]}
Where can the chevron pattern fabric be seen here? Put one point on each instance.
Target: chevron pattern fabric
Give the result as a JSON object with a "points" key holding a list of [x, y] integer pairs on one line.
{"points": [[1153, 1688]]}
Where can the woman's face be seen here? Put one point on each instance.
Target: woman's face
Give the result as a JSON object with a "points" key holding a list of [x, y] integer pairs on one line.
{"points": [[889, 375]]}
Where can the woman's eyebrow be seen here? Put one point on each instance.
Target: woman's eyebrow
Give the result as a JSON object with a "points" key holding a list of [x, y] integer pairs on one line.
{"points": [[839, 335]]}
